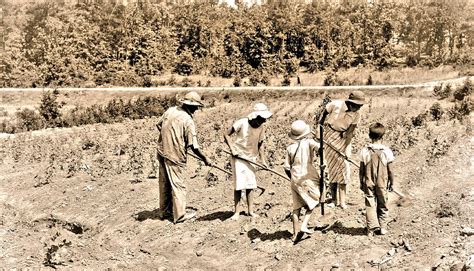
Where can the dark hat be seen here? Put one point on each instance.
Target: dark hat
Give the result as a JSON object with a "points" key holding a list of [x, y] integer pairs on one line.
{"points": [[356, 97], [376, 130]]}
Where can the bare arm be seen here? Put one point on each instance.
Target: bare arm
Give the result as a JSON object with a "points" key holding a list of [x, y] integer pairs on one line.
{"points": [[390, 177], [349, 133], [201, 155], [261, 153], [362, 176], [229, 141]]}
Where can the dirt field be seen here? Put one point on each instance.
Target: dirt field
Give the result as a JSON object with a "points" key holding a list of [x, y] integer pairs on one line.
{"points": [[86, 197]]}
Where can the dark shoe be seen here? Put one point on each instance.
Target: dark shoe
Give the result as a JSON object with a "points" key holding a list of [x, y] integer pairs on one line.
{"points": [[163, 215]]}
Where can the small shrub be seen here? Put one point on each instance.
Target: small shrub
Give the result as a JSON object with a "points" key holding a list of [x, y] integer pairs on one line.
{"points": [[436, 111], [147, 81], [411, 61], [186, 82], [50, 109], [172, 81], [464, 91], [265, 80], [332, 79], [184, 64], [253, 80], [28, 120], [237, 81], [419, 120], [442, 93], [461, 109], [286, 80], [208, 83], [369, 80]]}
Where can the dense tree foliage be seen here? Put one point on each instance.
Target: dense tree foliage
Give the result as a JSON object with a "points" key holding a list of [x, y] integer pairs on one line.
{"points": [[50, 44]]}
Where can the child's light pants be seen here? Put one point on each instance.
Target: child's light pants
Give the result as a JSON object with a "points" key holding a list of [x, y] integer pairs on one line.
{"points": [[376, 207]]}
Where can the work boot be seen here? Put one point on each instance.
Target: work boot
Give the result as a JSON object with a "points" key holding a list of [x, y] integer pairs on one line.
{"points": [[382, 231]]}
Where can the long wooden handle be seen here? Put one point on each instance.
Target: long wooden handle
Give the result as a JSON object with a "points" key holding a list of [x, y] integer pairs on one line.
{"points": [[337, 151], [212, 165], [259, 165], [322, 184]]}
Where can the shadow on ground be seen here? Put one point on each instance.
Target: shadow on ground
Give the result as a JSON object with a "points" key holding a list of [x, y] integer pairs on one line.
{"points": [[144, 215], [221, 215], [341, 229], [254, 234]]}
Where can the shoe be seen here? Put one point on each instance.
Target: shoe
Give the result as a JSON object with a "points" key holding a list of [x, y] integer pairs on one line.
{"points": [[382, 231], [307, 231], [330, 205], [185, 217], [343, 206], [372, 232], [162, 215]]}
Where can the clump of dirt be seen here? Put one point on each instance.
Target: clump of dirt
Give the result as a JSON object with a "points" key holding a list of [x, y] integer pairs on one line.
{"points": [[212, 179]]}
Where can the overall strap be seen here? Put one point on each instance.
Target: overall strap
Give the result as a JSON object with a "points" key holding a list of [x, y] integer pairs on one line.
{"points": [[292, 160]]}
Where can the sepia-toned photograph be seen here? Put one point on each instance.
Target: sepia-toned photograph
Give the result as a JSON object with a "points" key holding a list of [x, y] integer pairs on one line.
{"points": [[236, 135]]}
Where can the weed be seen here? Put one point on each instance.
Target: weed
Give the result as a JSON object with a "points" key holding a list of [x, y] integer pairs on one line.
{"points": [[369, 80], [186, 82], [286, 80], [461, 109], [464, 91], [436, 111], [237, 81], [419, 120], [442, 93]]}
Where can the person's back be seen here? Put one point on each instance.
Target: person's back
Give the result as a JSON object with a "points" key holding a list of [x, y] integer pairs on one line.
{"points": [[247, 138], [376, 179], [301, 155], [177, 132], [376, 157]]}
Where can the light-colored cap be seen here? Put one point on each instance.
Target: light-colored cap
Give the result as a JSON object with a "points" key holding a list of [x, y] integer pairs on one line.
{"points": [[261, 110], [192, 98], [299, 129], [357, 97]]}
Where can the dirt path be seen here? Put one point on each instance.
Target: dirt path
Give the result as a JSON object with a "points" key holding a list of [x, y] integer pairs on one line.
{"points": [[165, 90]]}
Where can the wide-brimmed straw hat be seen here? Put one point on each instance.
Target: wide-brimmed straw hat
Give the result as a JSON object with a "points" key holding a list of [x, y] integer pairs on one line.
{"points": [[377, 130], [192, 98], [356, 97], [261, 110], [299, 129]]}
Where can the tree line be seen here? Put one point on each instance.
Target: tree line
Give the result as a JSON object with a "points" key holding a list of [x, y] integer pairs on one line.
{"points": [[50, 44]]}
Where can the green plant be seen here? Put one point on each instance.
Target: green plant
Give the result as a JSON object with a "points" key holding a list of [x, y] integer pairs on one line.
{"points": [[442, 92], [49, 109], [461, 109], [286, 80], [436, 111], [464, 91], [237, 81], [28, 120]]}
